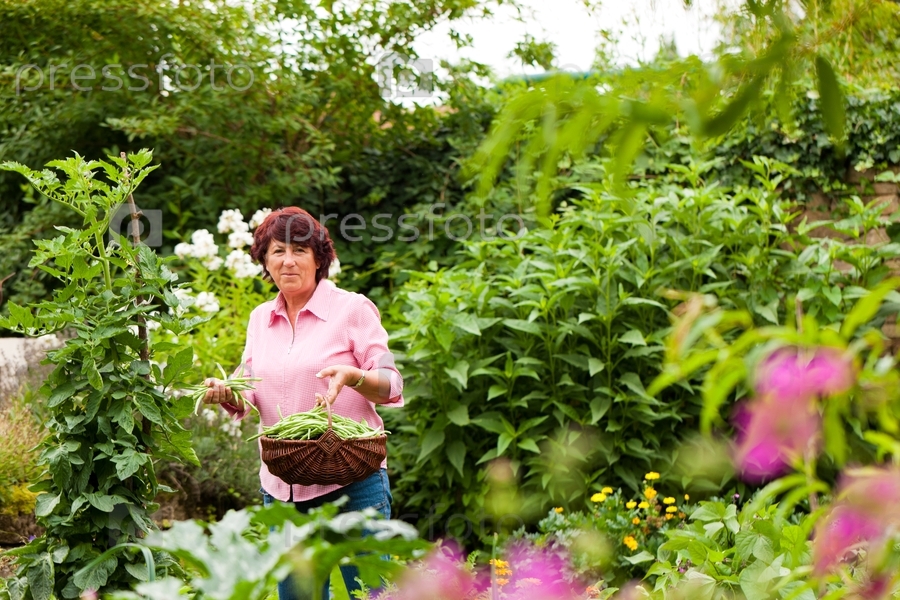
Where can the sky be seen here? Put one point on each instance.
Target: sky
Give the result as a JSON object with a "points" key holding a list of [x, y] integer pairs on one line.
{"points": [[575, 31]]}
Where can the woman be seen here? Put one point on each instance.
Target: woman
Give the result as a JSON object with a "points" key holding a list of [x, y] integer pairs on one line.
{"points": [[314, 343]]}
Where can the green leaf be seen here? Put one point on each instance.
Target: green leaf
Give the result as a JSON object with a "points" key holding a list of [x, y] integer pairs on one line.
{"points": [[633, 337], [528, 444], [128, 463], [459, 415], [722, 122], [867, 307], [456, 454], [467, 322], [431, 442], [831, 99], [45, 504], [595, 365], [459, 373], [641, 557], [40, 578]]}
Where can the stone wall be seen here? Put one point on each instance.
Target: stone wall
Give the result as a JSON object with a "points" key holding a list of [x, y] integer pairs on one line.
{"points": [[20, 360]]}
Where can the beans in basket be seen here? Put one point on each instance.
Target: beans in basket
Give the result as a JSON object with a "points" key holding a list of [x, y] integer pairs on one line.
{"points": [[313, 423]]}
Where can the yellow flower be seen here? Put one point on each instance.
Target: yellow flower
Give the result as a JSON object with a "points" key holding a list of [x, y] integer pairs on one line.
{"points": [[669, 500], [558, 510], [669, 516], [636, 521], [607, 490], [501, 568], [631, 504], [650, 493], [651, 476], [643, 505], [502, 582], [630, 542], [672, 509], [686, 497], [598, 497]]}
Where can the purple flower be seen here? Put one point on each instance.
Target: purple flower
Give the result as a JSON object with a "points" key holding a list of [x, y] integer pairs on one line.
{"points": [[837, 535]]}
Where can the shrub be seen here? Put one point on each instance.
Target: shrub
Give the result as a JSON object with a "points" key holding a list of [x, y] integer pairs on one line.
{"points": [[538, 348]]}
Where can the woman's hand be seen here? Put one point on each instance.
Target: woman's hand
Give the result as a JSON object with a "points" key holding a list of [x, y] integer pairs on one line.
{"points": [[219, 393], [340, 375]]}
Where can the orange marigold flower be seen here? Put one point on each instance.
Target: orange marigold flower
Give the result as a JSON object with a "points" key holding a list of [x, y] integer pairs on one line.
{"points": [[669, 516], [630, 542], [636, 521]]}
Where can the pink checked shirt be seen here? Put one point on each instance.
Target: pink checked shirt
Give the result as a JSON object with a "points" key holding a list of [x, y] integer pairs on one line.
{"points": [[335, 327]]}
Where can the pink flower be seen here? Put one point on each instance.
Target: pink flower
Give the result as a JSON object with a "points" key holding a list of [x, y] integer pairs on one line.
{"points": [[540, 573], [864, 514], [442, 576], [792, 374], [771, 437], [839, 533]]}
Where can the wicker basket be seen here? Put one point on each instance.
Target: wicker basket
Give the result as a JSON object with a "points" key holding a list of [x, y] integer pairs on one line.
{"points": [[328, 460]]}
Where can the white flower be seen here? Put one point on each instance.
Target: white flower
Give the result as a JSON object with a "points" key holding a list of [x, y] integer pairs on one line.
{"points": [[207, 302], [152, 325], [213, 263], [209, 415], [258, 217], [232, 427], [812, 95], [239, 239], [232, 220], [204, 244], [184, 250], [241, 264], [335, 268]]}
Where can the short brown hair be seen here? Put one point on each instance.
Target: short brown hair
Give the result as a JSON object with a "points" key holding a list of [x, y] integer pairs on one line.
{"points": [[294, 226]]}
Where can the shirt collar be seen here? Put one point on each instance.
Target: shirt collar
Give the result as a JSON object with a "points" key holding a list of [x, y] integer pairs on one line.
{"points": [[318, 304]]}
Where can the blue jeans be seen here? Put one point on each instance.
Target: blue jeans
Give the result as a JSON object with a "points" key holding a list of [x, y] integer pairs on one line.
{"points": [[372, 492]]}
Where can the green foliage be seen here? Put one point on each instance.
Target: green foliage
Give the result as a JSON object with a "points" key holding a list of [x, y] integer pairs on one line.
{"points": [[245, 554], [619, 109], [539, 348], [725, 552], [616, 537], [302, 121], [108, 411]]}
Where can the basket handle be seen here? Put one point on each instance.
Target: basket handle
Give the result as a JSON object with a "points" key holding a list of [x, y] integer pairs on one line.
{"points": [[328, 408]]}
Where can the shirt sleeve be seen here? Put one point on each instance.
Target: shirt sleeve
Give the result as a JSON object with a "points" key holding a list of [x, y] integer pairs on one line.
{"points": [[369, 342], [247, 363]]}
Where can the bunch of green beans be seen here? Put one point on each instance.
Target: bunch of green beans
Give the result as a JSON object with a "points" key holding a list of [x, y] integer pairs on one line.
{"points": [[236, 384], [311, 424]]}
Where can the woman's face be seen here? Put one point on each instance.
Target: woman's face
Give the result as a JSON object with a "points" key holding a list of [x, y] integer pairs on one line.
{"points": [[292, 267]]}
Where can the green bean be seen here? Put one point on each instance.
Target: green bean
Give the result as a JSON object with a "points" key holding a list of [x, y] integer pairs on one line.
{"points": [[236, 384], [312, 424]]}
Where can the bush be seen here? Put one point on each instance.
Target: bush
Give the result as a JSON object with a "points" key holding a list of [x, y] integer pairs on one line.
{"points": [[538, 348]]}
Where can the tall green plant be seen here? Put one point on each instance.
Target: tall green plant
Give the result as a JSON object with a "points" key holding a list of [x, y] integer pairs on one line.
{"points": [[538, 349], [109, 411]]}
